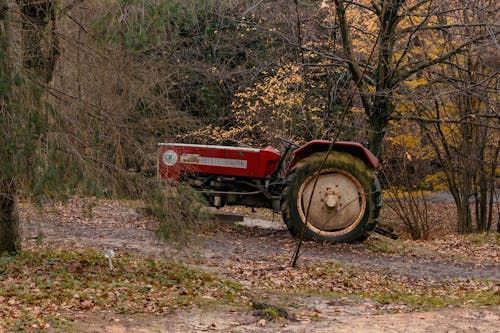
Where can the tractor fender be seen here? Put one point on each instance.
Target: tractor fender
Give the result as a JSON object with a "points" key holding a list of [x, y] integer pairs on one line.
{"points": [[353, 148]]}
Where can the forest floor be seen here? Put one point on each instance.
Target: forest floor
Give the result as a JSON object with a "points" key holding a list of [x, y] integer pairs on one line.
{"points": [[381, 285]]}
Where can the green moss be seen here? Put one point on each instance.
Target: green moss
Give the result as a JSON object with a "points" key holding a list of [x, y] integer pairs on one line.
{"points": [[385, 245]]}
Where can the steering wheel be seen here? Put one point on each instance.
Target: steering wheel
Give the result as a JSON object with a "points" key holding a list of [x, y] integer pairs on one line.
{"points": [[287, 143]]}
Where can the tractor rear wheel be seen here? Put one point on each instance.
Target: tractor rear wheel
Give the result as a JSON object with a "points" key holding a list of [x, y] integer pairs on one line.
{"points": [[346, 203]]}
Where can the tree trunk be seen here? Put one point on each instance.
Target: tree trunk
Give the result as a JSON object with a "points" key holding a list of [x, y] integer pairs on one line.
{"points": [[378, 119], [9, 222], [382, 107], [39, 60], [464, 217], [498, 220], [39, 27], [10, 238]]}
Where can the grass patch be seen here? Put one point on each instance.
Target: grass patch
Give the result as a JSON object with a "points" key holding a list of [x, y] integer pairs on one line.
{"points": [[431, 299], [400, 292], [40, 288], [484, 238], [418, 294], [270, 312], [385, 245]]}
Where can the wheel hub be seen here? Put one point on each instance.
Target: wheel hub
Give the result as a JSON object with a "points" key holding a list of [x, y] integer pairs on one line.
{"points": [[331, 201], [338, 201]]}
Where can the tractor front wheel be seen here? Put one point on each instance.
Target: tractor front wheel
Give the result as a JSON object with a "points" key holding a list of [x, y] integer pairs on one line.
{"points": [[341, 203]]}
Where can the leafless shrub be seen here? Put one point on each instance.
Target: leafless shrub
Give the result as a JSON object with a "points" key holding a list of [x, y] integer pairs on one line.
{"points": [[406, 196]]}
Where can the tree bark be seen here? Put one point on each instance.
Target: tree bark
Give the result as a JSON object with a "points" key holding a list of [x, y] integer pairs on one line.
{"points": [[10, 238], [9, 222], [39, 21], [379, 105], [39, 24]]}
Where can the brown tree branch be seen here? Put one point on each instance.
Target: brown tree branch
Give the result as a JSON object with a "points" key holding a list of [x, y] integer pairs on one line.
{"points": [[424, 65]]}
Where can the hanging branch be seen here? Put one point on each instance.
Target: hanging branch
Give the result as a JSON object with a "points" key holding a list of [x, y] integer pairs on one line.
{"points": [[297, 253]]}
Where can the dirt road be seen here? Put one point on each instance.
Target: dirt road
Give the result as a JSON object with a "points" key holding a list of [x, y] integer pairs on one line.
{"points": [[250, 254]]}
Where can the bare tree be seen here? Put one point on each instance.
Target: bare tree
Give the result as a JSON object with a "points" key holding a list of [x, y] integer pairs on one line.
{"points": [[463, 130], [391, 47], [456, 105], [385, 43]]}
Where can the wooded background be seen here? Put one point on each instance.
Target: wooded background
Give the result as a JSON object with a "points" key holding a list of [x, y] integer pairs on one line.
{"points": [[87, 89]]}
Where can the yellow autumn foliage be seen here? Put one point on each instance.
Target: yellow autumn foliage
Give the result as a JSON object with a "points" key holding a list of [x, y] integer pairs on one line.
{"points": [[277, 106]]}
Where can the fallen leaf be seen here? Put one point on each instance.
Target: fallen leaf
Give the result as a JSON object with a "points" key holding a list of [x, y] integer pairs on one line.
{"points": [[87, 304]]}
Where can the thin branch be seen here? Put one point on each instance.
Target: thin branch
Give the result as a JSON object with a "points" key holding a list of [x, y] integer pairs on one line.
{"points": [[440, 59], [447, 121], [441, 27]]}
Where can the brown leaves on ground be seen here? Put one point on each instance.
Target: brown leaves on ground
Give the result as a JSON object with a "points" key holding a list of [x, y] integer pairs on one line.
{"points": [[39, 286], [381, 286], [483, 247], [43, 287], [90, 211]]}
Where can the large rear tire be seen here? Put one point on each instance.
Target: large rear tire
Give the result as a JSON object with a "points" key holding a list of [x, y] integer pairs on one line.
{"points": [[346, 203]]}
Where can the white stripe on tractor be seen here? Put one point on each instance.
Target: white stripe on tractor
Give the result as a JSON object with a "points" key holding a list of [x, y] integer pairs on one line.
{"points": [[213, 161]]}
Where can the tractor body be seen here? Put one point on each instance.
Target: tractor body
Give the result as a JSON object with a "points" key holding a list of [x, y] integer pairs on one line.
{"points": [[284, 182]]}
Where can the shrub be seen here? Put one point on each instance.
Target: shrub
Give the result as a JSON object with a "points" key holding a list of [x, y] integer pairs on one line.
{"points": [[179, 209]]}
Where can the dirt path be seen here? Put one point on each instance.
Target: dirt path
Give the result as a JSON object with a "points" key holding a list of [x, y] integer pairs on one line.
{"points": [[339, 320], [237, 252]]}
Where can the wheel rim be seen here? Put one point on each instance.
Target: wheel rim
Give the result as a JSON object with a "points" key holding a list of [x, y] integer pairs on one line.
{"points": [[338, 203]]}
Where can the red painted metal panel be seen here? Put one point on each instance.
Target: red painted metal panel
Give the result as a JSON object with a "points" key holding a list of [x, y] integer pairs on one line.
{"points": [[353, 148], [177, 158]]}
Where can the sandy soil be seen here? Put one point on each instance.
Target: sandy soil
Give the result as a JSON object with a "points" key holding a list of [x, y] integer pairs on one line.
{"points": [[343, 320]]}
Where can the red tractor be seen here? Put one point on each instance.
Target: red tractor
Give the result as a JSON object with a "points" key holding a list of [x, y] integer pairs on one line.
{"points": [[347, 195]]}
